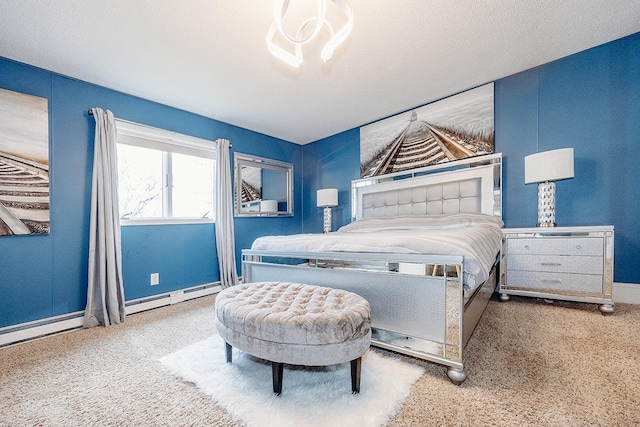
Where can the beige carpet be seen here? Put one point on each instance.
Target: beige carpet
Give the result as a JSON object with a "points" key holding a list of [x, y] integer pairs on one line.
{"points": [[529, 363]]}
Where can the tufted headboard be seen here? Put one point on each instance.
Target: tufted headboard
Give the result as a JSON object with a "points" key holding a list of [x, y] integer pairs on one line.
{"points": [[464, 186]]}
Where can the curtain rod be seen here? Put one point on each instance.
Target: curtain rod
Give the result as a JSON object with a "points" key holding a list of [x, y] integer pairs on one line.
{"points": [[91, 114]]}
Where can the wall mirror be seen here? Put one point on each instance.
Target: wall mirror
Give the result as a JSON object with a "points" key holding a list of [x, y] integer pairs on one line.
{"points": [[263, 187]]}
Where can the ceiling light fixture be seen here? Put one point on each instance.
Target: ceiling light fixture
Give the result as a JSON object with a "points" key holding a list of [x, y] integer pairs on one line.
{"points": [[295, 59]]}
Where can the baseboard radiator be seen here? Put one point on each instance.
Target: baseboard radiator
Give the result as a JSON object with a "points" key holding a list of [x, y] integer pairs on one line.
{"points": [[623, 293], [40, 328]]}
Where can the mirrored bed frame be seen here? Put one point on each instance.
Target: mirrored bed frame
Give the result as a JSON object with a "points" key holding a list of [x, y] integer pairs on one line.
{"points": [[418, 303]]}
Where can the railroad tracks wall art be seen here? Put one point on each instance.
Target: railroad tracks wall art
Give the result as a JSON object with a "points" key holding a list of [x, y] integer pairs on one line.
{"points": [[24, 164], [450, 129]]}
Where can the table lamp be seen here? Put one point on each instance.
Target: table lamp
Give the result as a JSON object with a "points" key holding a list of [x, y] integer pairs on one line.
{"points": [[545, 168], [327, 198]]}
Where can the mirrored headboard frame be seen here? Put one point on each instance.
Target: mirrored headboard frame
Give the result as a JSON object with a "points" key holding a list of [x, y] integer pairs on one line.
{"points": [[483, 196], [240, 160]]}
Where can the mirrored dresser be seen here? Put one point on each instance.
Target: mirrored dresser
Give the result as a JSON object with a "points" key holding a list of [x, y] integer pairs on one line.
{"points": [[562, 263]]}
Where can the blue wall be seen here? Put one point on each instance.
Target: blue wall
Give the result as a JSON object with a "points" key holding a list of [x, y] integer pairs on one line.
{"points": [[329, 163], [589, 101], [43, 276]]}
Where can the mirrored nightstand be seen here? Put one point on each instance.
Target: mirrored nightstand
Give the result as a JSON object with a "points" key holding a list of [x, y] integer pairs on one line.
{"points": [[563, 263]]}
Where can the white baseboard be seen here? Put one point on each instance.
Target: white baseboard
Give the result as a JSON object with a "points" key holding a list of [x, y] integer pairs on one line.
{"points": [[626, 293], [39, 328], [143, 304]]}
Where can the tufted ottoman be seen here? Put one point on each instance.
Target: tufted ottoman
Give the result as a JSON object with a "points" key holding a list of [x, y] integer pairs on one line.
{"points": [[295, 324]]}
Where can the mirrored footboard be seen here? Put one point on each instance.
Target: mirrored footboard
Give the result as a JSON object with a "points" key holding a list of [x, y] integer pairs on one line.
{"points": [[418, 313]]}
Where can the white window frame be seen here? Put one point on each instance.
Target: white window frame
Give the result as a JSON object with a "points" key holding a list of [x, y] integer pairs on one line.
{"points": [[139, 135]]}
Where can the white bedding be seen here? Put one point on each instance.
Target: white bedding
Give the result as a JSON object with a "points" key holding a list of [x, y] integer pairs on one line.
{"points": [[475, 236]]}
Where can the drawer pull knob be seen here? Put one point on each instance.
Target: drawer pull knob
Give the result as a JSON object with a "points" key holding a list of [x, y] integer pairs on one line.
{"points": [[578, 247], [526, 246], [552, 264], [551, 281]]}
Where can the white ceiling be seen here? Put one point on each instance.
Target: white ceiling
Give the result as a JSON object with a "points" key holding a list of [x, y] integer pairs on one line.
{"points": [[209, 56]]}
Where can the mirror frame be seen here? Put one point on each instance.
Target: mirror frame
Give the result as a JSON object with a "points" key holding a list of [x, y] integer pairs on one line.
{"points": [[240, 160]]}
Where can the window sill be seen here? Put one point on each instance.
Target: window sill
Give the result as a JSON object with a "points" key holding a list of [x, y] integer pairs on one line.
{"points": [[165, 221]]}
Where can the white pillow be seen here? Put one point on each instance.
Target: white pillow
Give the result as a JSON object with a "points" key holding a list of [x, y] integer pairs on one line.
{"points": [[410, 222]]}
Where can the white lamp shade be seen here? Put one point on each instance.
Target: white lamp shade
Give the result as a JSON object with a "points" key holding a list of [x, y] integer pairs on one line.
{"points": [[327, 197], [269, 206], [548, 166]]}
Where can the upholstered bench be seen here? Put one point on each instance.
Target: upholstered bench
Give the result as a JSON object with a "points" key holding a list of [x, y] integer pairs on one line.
{"points": [[295, 324]]}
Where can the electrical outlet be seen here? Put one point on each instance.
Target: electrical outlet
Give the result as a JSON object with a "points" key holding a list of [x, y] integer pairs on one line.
{"points": [[155, 279]]}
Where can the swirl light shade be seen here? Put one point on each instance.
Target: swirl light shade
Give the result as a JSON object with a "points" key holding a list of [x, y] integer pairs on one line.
{"points": [[308, 30]]}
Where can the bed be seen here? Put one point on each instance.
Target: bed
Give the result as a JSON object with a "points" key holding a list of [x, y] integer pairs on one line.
{"points": [[423, 248]]}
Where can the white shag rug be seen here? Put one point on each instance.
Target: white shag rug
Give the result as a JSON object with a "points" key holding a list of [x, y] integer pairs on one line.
{"points": [[315, 396]]}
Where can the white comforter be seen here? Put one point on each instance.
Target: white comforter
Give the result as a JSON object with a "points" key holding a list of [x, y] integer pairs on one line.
{"points": [[477, 237]]}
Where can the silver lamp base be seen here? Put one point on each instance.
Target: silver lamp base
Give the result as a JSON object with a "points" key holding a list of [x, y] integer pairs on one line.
{"points": [[547, 204], [327, 219]]}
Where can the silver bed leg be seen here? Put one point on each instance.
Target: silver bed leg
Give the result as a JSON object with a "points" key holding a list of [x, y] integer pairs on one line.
{"points": [[606, 308], [504, 297], [457, 376]]}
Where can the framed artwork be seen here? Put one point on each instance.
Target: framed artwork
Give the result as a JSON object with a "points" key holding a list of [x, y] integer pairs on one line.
{"points": [[450, 129], [24, 164]]}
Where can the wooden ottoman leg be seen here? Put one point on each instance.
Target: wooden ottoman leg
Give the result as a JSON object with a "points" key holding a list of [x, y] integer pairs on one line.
{"points": [[356, 366], [229, 348], [276, 370]]}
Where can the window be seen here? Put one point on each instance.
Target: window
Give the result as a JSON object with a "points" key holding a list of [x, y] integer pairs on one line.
{"points": [[163, 176]]}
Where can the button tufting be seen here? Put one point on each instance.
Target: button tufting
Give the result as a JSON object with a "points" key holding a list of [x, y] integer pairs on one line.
{"points": [[263, 309]]}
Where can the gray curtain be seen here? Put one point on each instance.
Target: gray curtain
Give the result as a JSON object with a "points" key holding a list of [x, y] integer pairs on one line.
{"points": [[224, 217], [105, 292]]}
